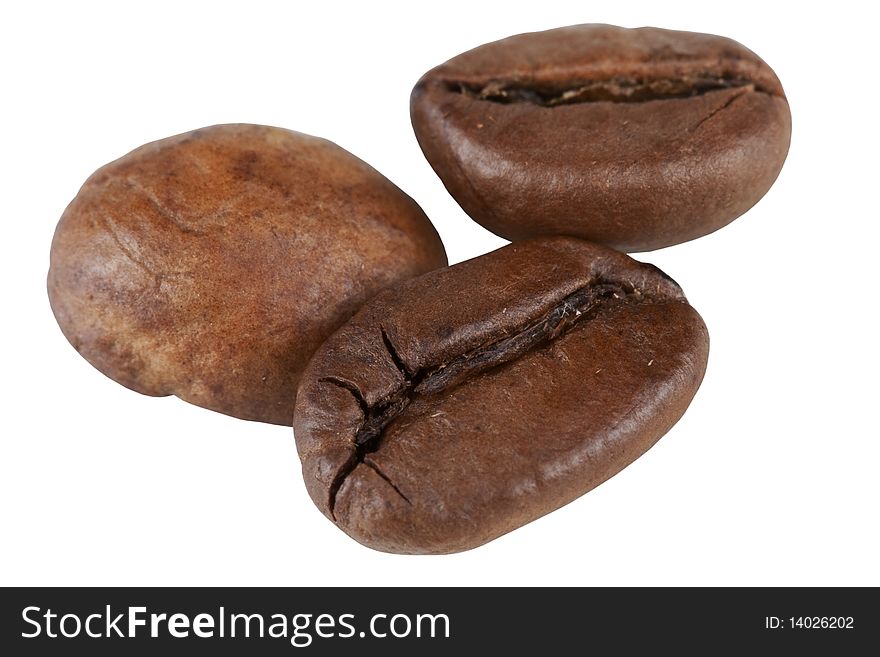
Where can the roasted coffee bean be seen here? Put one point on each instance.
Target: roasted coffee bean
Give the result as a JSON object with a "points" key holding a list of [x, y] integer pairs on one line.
{"points": [[212, 264], [637, 139], [462, 404]]}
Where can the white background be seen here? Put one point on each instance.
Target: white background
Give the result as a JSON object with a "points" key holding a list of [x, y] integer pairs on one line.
{"points": [[770, 478]]}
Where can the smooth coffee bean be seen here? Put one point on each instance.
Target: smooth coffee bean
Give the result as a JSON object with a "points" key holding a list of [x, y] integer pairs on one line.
{"points": [[634, 138], [212, 264], [467, 402]]}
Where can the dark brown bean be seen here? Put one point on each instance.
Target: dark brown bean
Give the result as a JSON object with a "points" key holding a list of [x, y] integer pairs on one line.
{"points": [[212, 264], [462, 404], [637, 139]]}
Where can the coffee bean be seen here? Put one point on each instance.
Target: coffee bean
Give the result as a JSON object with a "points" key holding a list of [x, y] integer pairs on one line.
{"points": [[637, 139], [212, 264], [462, 404]]}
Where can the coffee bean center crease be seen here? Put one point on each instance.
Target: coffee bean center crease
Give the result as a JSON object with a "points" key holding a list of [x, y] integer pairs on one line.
{"points": [[573, 309], [615, 90]]}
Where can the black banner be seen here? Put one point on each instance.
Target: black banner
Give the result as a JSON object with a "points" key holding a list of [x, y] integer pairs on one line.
{"points": [[325, 621]]}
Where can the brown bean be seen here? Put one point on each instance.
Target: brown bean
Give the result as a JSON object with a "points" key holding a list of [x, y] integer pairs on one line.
{"points": [[637, 139], [462, 404], [212, 264]]}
